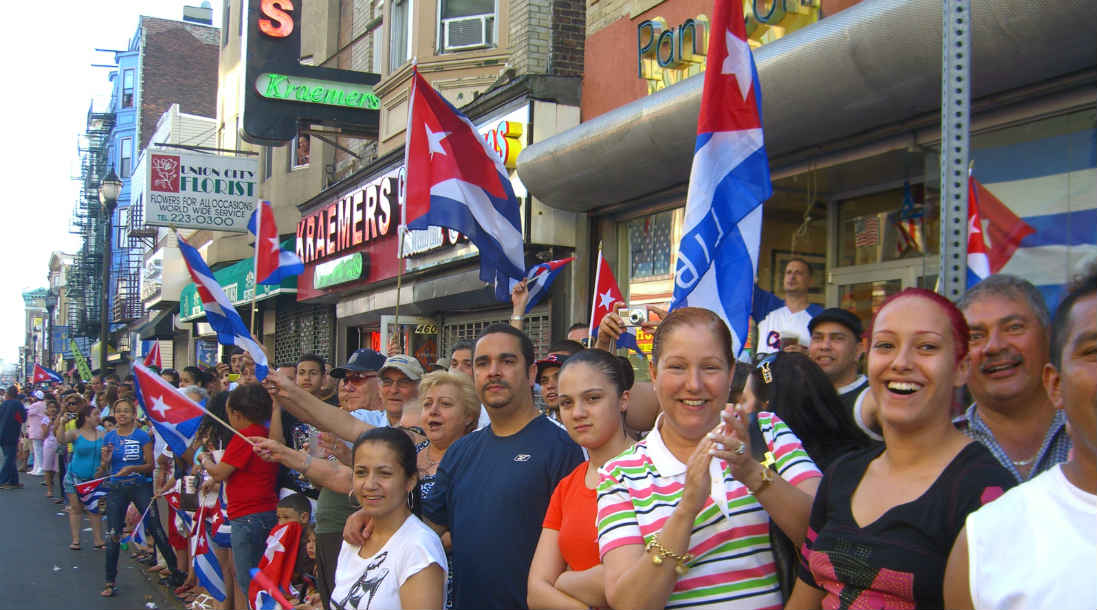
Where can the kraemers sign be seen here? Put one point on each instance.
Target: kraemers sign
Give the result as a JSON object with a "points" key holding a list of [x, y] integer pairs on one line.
{"points": [[189, 190], [281, 94]]}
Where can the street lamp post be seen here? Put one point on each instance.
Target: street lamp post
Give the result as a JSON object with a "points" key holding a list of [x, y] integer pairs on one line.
{"points": [[109, 189], [51, 304]]}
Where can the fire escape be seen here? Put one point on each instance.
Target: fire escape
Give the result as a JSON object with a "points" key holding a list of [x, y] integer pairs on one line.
{"points": [[85, 279]]}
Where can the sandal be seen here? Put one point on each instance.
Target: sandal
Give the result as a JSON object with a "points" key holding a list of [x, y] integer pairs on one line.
{"points": [[99, 547], [181, 590], [108, 590], [75, 546]]}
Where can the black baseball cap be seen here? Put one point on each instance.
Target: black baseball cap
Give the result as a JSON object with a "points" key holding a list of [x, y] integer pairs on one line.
{"points": [[840, 316], [550, 361], [361, 360]]}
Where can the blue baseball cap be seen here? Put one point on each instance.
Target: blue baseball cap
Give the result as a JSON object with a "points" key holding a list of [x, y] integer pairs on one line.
{"points": [[360, 361]]}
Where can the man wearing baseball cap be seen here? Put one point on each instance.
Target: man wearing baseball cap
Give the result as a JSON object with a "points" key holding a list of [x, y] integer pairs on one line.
{"points": [[837, 346], [548, 375]]}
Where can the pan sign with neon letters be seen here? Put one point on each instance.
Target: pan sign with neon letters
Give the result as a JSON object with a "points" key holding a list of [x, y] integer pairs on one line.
{"points": [[189, 190], [280, 93], [667, 54]]}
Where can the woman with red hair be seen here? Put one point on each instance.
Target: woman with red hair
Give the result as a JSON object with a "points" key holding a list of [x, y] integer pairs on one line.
{"points": [[884, 518]]}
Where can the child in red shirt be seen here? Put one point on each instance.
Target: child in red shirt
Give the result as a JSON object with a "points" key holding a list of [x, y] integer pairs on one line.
{"points": [[251, 492]]}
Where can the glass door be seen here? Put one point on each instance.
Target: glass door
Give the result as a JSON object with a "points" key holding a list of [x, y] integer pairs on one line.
{"points": [[862, 288], [420, 336]]}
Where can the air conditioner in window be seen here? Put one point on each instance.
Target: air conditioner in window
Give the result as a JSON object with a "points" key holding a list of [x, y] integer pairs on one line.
{"points": [[469, 32]]}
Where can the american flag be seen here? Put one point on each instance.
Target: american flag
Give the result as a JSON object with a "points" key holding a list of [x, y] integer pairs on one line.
{"points": [[866, 231]]}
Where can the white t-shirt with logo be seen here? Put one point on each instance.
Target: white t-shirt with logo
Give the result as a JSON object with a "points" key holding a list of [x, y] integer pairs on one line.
{"points": [[782, 319], [374, 583]]}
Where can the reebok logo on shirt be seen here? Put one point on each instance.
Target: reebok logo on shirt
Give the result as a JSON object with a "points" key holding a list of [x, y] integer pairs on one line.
{"points": [[522, 457]]}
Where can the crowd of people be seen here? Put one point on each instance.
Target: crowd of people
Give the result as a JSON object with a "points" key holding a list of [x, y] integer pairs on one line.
{"points": [[944, 456]]}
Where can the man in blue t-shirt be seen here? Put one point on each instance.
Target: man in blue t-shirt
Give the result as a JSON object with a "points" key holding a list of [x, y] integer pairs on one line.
{"points": [[493, 485], [12, 416]]}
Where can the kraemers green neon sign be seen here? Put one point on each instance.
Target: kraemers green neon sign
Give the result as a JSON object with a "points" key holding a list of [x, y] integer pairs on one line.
{"points": [[315, 91]]}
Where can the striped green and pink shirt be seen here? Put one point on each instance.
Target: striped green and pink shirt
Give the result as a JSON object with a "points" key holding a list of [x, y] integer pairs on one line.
{"points": [[733, 564]]}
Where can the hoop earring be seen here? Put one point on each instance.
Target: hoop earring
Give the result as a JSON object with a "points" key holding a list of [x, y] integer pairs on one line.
{"points": [[411, 500]]}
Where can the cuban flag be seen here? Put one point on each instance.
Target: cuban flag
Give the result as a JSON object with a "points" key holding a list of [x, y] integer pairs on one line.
{"points": [[42, 374], [220, 312], [272, 263], [219, 528], [138, 535], [538, 280], [90, 493], [718, 254], [978, 263], [607, 297], [206, 567], [455, 180], [174, 417], [275, 570], [152, 359]]}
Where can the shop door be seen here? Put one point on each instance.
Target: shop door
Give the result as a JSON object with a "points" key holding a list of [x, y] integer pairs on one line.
{"points": [[862, 288], [420, 336]]}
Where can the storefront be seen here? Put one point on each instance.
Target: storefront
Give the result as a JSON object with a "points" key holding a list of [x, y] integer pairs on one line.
{"points": [[852, 132], [348, 239], [238, 282]]}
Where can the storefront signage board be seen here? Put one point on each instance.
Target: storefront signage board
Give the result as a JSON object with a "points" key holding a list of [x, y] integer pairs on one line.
{"points": [[189, 190], [340, 270], [280, 94]]}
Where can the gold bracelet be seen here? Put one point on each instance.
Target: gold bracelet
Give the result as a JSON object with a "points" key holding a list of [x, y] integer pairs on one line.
{"points": [[767, 479], [661, 552]]}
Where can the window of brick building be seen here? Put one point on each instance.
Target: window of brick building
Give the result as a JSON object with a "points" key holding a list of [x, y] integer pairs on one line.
{"points": [[466, 24], [125, 157], [399, 33]]}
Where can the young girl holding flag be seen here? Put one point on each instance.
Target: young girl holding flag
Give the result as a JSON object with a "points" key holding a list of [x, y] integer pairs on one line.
{"points": [[87, 446]]}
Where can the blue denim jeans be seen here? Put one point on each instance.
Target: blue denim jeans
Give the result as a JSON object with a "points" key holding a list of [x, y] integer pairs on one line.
{"points": [[119, 496], [249, 541], [9, 474]]}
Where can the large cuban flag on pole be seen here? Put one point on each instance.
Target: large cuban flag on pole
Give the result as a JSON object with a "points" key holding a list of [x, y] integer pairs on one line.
{"points": [[220, 313], [455, 180], [718, 254]]}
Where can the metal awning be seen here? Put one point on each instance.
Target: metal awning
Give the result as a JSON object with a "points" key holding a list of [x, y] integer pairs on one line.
{"points": [[161, 326], [874, 65]]}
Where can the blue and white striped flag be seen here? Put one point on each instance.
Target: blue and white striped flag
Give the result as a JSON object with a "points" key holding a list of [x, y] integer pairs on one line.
{"points": [[718, 254], [220, 312]]}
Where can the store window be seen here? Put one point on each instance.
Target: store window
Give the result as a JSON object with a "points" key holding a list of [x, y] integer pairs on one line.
{"points": [[649, 240], [127, 88], [466, 24], [888, 226]]}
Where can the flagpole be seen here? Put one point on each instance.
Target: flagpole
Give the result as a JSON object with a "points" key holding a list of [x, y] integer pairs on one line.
{"points": [[594, 297], [255, 263], [400, 230]]}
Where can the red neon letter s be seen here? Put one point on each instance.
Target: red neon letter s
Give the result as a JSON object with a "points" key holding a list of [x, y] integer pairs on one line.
{"points": [[275, 12]]}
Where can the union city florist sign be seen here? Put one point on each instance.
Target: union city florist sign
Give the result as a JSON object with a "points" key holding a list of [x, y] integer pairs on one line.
{"points": [[238, 282], [315, 91], [196, 191], [280, 94], [362, 219]]}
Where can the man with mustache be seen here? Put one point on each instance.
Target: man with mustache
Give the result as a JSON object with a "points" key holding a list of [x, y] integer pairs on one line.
{"points": [[1012, 414]]}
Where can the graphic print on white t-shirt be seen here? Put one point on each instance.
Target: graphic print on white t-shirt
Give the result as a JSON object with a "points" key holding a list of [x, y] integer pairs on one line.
{"points": [[782, 320], [366, 585]]}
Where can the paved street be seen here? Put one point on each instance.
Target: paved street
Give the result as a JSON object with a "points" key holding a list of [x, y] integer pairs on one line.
{"points": [[39, 570]]}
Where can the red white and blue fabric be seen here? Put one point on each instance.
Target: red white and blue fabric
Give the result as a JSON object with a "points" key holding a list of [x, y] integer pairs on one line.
{"points": [[90, 493], [219, 528], [153, 357], [43, 374], [138, 535], [718, 254], [174, 417], [455, 180], [978, 264], [607, 297], [220, 313], [538, 280], [206, 567], [175, 501], [272, 263], [272, 577]]}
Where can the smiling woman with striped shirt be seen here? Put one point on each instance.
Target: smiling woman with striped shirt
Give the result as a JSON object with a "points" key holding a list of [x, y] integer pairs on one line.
{"points": [[683, 516]]}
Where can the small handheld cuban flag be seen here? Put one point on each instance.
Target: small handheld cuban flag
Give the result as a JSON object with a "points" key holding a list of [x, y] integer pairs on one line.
{"points": [[90, 493], [152, 359], [43, 374], [272, 263], [538, 280], [718, 253], [206, 567], [220, 312], [174, 417]]}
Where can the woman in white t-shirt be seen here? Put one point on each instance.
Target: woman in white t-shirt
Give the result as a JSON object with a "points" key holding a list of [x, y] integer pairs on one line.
{"points": [[402, 564]]}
